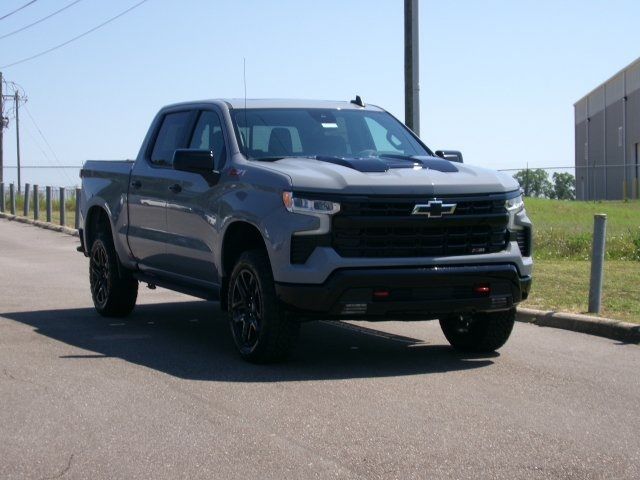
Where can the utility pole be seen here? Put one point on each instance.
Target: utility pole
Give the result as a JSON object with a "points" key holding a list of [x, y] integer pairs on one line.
{"points": [[4, 122], [16, 98], [411, 66]]}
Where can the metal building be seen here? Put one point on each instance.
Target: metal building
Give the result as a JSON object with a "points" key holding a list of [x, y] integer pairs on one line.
{"points": [[607, 123]]}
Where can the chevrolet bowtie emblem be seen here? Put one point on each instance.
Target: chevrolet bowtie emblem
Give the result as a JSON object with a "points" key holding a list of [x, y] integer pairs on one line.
{"points": [[434, 209]]}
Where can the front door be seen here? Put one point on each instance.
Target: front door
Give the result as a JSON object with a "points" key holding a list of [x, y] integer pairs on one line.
{"points": [[151, 178], [192, 209]]}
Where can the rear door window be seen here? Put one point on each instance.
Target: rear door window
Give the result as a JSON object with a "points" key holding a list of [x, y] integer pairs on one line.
{"points": [[170, 137]]}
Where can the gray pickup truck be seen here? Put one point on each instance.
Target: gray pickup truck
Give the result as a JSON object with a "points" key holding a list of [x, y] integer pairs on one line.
{"points": [[287, 211]]}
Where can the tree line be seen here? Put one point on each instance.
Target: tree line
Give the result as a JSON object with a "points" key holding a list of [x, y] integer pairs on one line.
{"points": [[536, 183]]}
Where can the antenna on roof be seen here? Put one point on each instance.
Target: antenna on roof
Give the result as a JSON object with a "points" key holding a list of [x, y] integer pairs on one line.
{"points": [[358, 101], [244, 78]]}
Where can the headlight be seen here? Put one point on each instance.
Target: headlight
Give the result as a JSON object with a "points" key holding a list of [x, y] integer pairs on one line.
{"points": [[515, 205], [308, 206]]}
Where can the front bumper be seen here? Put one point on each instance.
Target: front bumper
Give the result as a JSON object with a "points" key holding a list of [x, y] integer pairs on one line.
{"points": [[414, 292]]}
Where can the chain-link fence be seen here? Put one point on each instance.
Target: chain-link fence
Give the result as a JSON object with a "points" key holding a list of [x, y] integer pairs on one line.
{"points": [[590, 182], [61, 175], [58, 205]]}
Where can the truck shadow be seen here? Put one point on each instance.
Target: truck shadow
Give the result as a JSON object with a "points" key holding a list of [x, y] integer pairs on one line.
{"points": [[191, 340]]}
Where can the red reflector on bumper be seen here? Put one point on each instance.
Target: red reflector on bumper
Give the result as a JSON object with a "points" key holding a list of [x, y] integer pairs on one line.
{"points": [[482, 289]]}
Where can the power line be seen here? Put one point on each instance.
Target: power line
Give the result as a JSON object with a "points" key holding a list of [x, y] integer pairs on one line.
{"points": [[18, 9], [74, 38], [55, 157], [39, 21]]}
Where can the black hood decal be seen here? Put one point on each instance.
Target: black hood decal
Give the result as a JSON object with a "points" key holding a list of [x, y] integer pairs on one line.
{"points": [[383, 164]]}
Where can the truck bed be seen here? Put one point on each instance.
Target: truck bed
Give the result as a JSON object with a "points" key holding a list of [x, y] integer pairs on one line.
{"points": [[110, 167]]}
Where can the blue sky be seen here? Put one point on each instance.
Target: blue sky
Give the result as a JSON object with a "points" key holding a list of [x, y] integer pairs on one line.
{"points": [[498, 78]]}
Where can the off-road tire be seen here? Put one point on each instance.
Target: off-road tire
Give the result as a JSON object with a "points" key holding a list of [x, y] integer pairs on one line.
{"points": [[113, 289], [262, 330], [480, 332]]}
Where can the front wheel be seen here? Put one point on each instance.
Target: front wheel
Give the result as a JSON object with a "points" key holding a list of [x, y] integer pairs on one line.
{"points": [[478, 332], [262, 331], [114, 291]]}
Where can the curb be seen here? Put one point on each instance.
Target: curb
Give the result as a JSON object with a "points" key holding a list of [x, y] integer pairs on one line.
{"points": [[601, 327], [38, 223]]}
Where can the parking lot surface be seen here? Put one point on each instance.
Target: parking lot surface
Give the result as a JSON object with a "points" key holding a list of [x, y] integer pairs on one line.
{"points": [[162, 393]]}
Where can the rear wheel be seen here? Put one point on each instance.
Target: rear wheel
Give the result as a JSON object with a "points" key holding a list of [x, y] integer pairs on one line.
{"points": [[262, 330], [113, 289], [479, 332]]}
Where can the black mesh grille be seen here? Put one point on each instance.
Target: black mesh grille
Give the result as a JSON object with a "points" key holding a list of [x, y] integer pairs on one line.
{"points": [[386, 228], [403, 207]]}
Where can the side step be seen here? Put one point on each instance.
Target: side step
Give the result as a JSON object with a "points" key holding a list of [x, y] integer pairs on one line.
{"points": [[199, 292]]}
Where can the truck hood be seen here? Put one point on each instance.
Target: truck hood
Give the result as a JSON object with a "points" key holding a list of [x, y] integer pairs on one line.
{"points": [[422, 176]]}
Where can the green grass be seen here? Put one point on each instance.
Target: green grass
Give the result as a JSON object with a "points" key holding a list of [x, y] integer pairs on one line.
{"points": [[563, 233], [563, 229], [564, 285]]}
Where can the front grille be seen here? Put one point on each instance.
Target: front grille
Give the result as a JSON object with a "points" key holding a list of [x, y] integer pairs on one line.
{"points": [[385, 228], [402, 207]]}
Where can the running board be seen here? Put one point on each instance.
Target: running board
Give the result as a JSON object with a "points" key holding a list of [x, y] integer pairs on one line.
{"points": [[194, 291]]}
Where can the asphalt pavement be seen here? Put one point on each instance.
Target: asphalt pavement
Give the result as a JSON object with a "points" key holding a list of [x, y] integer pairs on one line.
{"points": [[162, 393]]}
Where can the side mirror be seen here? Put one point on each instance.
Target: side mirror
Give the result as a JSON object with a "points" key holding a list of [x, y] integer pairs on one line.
{"points": [[196, 161], [451, 155]]}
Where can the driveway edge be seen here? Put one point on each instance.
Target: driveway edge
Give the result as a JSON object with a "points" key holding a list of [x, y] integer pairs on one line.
{"points": [[38, 223], [602, 327]]}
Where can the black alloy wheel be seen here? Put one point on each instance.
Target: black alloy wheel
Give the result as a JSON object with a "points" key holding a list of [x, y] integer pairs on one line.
{"points": [[246, 310], [99, 275], [263, 331], [114, 290]]}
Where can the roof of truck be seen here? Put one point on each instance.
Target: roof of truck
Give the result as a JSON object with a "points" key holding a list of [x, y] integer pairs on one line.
{"points": [[283, 103]]}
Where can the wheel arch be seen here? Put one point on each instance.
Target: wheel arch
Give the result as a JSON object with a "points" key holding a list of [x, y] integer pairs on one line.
{"points": [[239, 236], [97, 220]]}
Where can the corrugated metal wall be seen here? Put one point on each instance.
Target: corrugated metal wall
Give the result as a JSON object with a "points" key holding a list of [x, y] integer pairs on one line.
{"points": [[607, 134]]}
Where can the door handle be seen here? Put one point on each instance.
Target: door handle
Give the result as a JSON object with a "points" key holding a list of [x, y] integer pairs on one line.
{"points": [[175, 188], [136, 184]]}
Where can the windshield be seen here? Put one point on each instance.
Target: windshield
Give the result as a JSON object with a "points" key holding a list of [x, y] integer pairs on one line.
{"points": [[267, 134]]}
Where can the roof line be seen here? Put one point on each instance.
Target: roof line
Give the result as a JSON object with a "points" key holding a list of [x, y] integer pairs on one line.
{"points": [[622, 70]]}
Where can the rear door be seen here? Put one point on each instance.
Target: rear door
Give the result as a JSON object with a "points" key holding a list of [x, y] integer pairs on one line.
{"points": [[151, 178], [193, 209]]}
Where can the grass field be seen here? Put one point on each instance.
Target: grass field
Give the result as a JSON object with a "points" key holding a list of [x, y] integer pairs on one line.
{"points": [[563, 229], [564, 285], [562, 250]]}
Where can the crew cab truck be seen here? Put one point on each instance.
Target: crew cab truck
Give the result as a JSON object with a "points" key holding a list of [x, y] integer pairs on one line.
{"points": [[286, 211]]}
